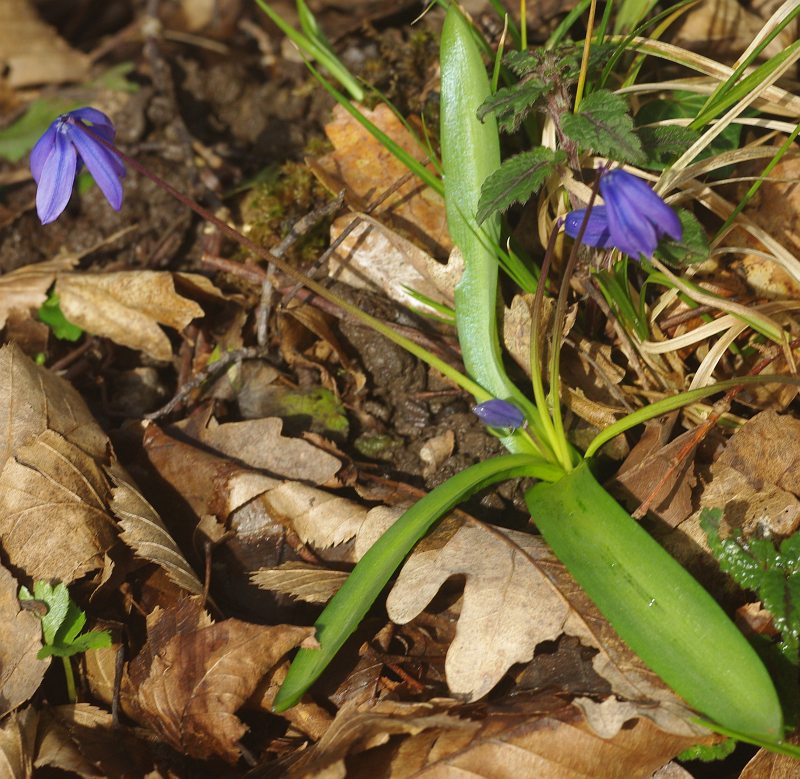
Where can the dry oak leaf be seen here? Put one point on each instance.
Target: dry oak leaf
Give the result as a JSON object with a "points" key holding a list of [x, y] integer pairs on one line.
{"points": [[18, 744], [516, 596], [192, 676], [53, 518], [21, 672], [529, 735], [127, 307]]}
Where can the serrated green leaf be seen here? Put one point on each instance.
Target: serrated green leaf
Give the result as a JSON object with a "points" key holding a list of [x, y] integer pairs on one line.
{"points": [[693, 246], [773, 573], [512, 104], [604, 125], [516, 180], [521, 62], [664, 143], [94, 639]]}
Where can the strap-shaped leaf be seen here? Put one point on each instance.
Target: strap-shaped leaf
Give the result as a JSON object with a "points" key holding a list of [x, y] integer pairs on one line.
{"points": [[655, 605]]}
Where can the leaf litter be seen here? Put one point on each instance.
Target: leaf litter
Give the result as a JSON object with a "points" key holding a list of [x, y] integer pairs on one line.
{"points": [[491, 655]]}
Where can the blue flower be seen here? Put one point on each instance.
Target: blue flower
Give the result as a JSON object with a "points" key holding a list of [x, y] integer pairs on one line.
{"points": [[499, 413], [634, 218], [59, 153]]}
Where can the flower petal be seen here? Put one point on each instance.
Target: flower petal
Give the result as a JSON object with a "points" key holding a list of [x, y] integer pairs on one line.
{"points": [[97, 118], [56, 178], [42, 150], [499, 413], [631, 231], [101, 164], [596, 232]]}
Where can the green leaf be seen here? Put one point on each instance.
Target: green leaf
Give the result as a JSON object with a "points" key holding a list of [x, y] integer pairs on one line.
{"points": [[521, 62], [516, 180], [57, 601], [709, 752], [51, 314], [512, 104], [772, 572], [655, 605], [604, 125], [94, 639], [663, 144], [19, 137], [691, 249]]}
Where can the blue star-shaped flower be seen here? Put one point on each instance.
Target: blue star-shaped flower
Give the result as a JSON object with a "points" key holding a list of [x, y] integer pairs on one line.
{"points": [[633, 219], [58, 154]]}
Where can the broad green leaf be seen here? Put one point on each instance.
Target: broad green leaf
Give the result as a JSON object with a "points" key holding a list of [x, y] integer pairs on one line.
{"points": [[655, 605], [604, 125], [19, 137], [57, 601], [516, 180]]}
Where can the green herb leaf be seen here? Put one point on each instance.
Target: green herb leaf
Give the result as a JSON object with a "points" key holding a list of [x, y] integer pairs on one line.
{"points": [[691, 249], [512, 104], [516, 180], [663, 144], [771, 571], [604, 125]]}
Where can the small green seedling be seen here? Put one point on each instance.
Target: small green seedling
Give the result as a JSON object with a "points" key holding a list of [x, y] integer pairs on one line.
{"points": [[51, 314], [62, 626]]}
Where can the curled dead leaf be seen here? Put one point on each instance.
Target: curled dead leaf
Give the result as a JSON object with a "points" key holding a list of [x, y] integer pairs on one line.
{"points": [[192, 676], [21, 672]]}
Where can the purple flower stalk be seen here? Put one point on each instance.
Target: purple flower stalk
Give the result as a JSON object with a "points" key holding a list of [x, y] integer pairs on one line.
{"points": [[59, 153], [634, 218], [499, 413]]}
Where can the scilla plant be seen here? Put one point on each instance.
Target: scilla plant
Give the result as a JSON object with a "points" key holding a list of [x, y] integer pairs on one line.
{"points": [[662, 613]]}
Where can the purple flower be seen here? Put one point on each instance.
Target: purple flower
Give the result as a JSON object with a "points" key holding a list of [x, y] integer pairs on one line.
{"points": [[499, 413], [59, 153], [633, 219]]}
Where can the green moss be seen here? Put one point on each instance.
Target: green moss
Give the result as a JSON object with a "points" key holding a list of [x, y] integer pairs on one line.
{"points": [[375, 446], [325, 409]]}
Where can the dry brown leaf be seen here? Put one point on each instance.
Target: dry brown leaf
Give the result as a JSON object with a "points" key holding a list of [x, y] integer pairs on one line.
{"points": [[374, 256], [258, 443], [53, 518], [127, 307], [144, 532], [33, 399], [26, 288], [83, 739], [32, 53], [768, 765], [527, 736], [515, 597], [309, 583], [652, 457], [362, 166], [18, 744], [192, 676]]}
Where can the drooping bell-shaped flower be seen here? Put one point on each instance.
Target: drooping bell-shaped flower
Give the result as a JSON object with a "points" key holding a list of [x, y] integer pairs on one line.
{"points": [[499, 413], [58, 154], [634, 218]]}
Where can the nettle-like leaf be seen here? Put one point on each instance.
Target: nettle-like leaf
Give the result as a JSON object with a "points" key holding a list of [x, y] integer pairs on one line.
{"points": [[521, 63], [772, 572], [604, 125], [63, 622], [512, 104], [693, 246], [662, 144], [516, 180]]}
